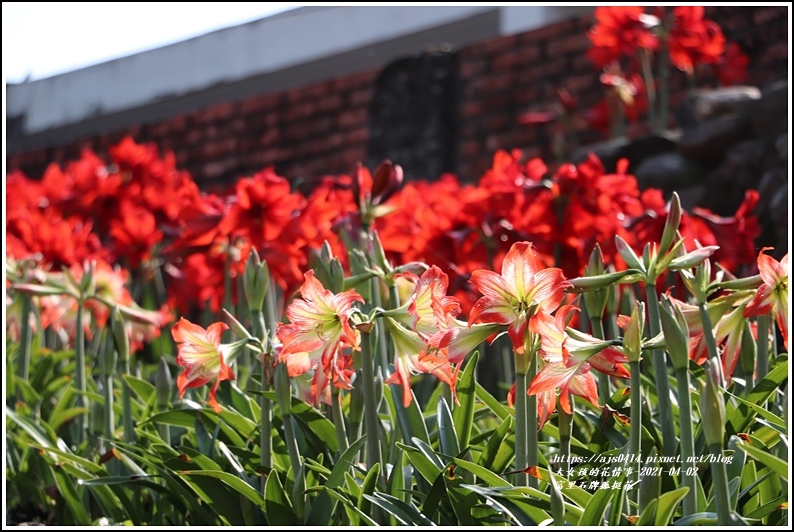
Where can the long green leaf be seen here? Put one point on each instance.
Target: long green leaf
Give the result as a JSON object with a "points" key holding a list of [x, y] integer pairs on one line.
{"points": [[403, 512], [742, 417], [368, 488], [143, 389], [772, 462], [668, 502], [594, 511], [323, 507], [491, 401], [412, 424], [488, 456], [463, 414], [234, 482], [278, 508], [447, 436], [350, 506]]}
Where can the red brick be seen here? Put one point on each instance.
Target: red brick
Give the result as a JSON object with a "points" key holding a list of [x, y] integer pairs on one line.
{"points": [[331, 103], [501, 44], [352, 119], [575, 44], [361, 97]]}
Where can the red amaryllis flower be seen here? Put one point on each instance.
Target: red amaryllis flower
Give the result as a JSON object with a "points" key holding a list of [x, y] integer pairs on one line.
{"points": [[693, 39], [772, 296], [200, 354], [318, 331], [523, 289], [732, 68], [620, 31]]}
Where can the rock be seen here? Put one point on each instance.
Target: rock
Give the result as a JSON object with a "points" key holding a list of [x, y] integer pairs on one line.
{"points": [[768, 117], [668, 171], [706, 104], [636, 151], [741, 169], [708, 141]]}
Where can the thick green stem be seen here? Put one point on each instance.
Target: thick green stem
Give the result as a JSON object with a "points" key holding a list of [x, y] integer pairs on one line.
{"points": [[604, 391], [762, 364], [687, 439], [126, 404], [284, 395], [664, 88], [566, 426], [339, 419], [647, 73], [521, 427], [719, 478], [80, 377], [23, 369], [371, 421], [384, 346], [263, 331], [532, 420], [635, 432], [669, 441]]}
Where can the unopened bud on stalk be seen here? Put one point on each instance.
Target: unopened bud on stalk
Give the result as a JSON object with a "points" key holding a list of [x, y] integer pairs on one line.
{"points": [[632, 340], [628, 254], [676, 333], [88, 283], [712, 404], [120, 338], [164, 385], [378, 254], [671, 224], [255, 281], [386, 181], [693, 258]]}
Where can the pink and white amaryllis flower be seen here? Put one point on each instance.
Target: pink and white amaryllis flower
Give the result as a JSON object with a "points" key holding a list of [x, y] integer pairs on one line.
{"points": [[413, 355], [524, 288], [199, 351], [319, 329], [772, 296], [429, 307], [568, 356]]}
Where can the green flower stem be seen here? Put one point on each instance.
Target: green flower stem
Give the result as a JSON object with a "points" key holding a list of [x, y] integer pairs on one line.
{"points": [[669, 442], [384, 345], [650, 89], [371, 422], [532, 419], [664, 88], [635, 433], [762, 347], [604, 391], [566, 426], [23, 369], [339, 419], [719, 478], [126, 404], [687, 439], [80, 378], [284, 395], [107, 364], [708, 332], [521, 427]]}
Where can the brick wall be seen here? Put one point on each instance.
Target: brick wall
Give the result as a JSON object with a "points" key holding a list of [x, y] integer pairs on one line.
{"points": [[322, 129]]}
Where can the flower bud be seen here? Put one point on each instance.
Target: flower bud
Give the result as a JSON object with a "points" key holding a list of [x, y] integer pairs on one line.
{"points": [[671, 224], [378, 254], [628, 254], [676, 333], [632, 340], [163, 384], [387, 180], [255, 281], [712, 404], [693, 258]]}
